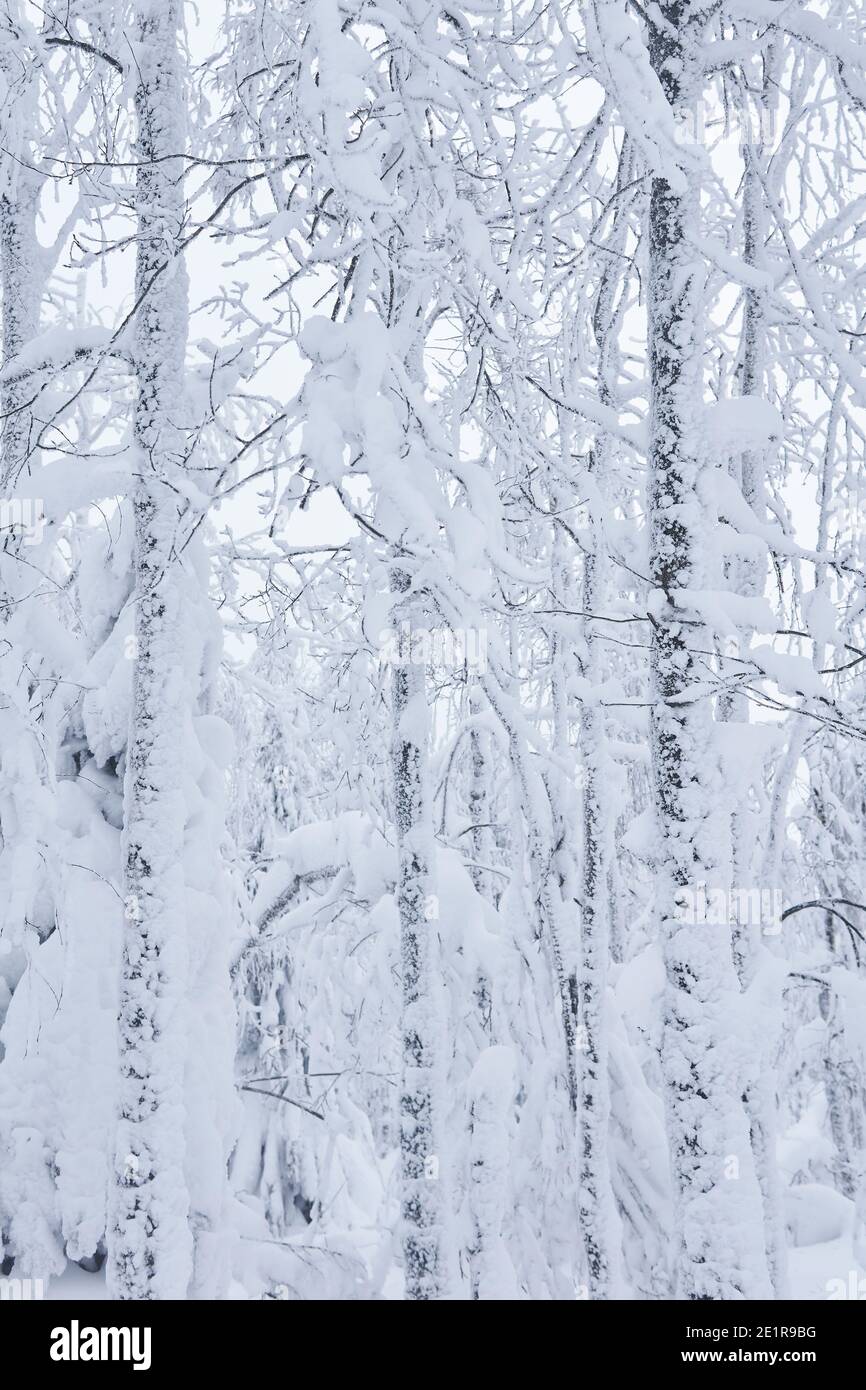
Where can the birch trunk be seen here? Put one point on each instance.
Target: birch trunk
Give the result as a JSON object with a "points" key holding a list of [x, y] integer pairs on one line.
{"points": [[760, 1093], [492, 1089], [22, 809], [597, 1215], [417, 905], [22, 298], [479, 799], [720, 1253], [595, 1188], [22, 270], [150, 1241]]}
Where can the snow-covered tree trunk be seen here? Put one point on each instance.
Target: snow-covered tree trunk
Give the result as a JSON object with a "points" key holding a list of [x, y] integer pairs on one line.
{"points": [[597, 1217], [22, 282], [21, 269], [22, 810], [841, 1083], [479, 797], [150, 1241], [595, 1190], [749, 947], [548, 911], [491, 1089], [842, 1077], [720, 1247], [417, 904], [482, 839]]}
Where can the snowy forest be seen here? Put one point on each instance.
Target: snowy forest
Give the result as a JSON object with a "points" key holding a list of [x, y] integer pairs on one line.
{"points": [[433, 649]]}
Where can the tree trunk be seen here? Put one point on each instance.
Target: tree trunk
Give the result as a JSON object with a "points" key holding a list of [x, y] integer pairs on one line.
{"points": [[417, 904], [21, 279], [760, 1093], [720, 1248], [150, 1241], [597, 1215]]}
